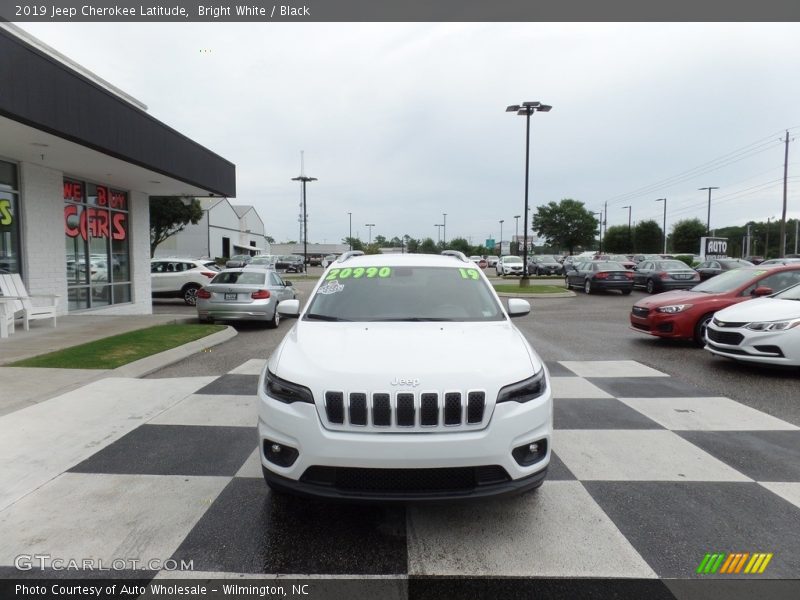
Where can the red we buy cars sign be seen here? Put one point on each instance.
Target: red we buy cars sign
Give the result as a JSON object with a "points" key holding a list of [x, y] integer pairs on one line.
{"points": [[94, 220]]}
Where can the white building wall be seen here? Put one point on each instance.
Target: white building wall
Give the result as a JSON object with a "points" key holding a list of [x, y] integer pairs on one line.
{"points": [[192, 242], [44, 258]]}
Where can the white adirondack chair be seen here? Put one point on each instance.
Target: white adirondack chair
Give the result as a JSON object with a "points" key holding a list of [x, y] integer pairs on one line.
{"points": [[7, 315], [12, 287]]}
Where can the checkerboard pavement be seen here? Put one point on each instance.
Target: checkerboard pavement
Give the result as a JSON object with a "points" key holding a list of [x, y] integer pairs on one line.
{"points": [[648, 474]]}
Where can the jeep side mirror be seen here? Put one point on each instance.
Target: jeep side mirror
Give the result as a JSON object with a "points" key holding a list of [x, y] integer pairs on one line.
{"points": [[517, 307], [289, 308]]}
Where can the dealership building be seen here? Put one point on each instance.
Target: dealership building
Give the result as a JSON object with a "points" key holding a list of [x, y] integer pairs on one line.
{"points": [[79, 160]]}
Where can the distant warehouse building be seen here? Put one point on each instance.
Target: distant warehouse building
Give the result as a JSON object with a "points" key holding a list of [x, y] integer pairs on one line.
{"points": [[79, 160], [225, 229]]}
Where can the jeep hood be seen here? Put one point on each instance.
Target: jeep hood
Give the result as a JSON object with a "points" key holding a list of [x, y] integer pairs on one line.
{"points": [[370, 355]]}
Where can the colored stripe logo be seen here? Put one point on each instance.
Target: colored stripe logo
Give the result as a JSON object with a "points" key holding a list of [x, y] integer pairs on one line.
{"points": [[734, 563]]}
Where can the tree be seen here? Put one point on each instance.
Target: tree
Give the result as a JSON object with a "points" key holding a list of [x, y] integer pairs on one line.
{"points": [[428, 246], [615, 240], [356, 243], [373, 248], [381, 241], [270, 239], [566, 224], [461, 245], [648, 237], [412, 245], [686, 236], [170, 215]]}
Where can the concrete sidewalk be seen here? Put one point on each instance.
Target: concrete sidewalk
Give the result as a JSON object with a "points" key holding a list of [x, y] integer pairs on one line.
{"points": [[25, 386]]}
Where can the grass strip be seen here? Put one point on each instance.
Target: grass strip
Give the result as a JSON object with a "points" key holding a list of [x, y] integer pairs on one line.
{"points": [[533, 289], [118, 350]]}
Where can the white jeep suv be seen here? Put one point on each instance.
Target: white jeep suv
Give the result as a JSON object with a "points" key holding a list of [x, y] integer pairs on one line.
{"points": [[370, 395]]}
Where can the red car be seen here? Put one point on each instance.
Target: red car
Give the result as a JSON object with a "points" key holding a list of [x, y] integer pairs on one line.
{"points": [[685, 314]]}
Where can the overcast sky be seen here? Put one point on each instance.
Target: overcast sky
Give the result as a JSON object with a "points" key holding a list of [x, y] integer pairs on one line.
{"points": [[403, 122]]}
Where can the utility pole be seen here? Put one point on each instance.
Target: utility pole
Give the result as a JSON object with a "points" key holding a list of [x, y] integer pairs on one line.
{"points": [[604, 224], [444, 229], [303, 178], [782, 249], [370, 225], [630, 237], [350, 239], [708, 220], [766, 242], [516, 231], [796, 231], [747, 252], [664, 200]]}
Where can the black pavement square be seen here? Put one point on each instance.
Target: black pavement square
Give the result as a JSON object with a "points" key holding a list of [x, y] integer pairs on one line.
{"points": [[558, 370], [598, 413], [557, 470], [761, 455], [251, 530], [674, 524], [239, 385], [648, 387], [175, 450]]}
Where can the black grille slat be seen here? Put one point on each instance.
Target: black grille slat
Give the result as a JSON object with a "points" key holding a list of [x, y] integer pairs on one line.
{"points": [[334, 407], [405, 481], [429, 409], [381, 410], [358, 408], [405, 410], [475, 405], [733, 338], [452, 408]]}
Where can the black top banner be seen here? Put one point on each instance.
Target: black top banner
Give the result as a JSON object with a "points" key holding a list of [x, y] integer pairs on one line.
{"points": [[400, 11]]}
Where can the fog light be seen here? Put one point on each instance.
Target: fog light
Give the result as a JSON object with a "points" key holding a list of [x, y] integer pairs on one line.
{"points": [[279, 454], [530, 453]]}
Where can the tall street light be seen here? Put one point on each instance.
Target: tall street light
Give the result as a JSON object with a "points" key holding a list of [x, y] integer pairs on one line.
{"points": [[516, 230], [630, 239], [600, 221], [370, 225], [664, 200], [527, 109], [444, 228], [304, 179], [708, 220], [438, 232], [501, 236], [350, 239]]}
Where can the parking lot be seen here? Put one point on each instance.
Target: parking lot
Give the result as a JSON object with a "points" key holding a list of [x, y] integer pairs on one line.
{"points": [[661, 454]]}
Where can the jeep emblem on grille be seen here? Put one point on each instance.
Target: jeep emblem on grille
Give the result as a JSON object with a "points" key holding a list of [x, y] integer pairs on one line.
{"points": [[400, 381]]}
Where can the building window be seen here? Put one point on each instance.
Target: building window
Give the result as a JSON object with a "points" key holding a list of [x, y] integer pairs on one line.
{"points": [[9, 218], [96, 238]]}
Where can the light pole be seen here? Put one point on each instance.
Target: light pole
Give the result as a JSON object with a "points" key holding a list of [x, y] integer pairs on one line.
{"points": [[630, 241], [708, 220], [350, 239], [444, 228], [370, 225], [501, 237], [438, 232], [304, 179], [664, 200], [600, 221], [526, 109], [516, 231]]}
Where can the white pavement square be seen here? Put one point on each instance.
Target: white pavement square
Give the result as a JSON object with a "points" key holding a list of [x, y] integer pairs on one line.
{"points": [[106, 517], [210, 409], [576, 387], [627, 455], [556, 531], [40, 442], [788, 491], [254, 366], [705, 414], [610, 368], [252, 466]]}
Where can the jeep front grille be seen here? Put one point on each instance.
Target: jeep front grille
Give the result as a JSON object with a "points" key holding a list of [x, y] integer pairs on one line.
{"points": [[405, 411]]}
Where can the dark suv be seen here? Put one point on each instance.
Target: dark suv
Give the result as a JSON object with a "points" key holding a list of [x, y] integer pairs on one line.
{"points": [[291, 263], [544, 265]]}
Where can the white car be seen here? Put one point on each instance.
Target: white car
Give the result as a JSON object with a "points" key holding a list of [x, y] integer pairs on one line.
{"points": [[180, 277], [763, 330], [368, 396], [328, 260], [509, 265]]}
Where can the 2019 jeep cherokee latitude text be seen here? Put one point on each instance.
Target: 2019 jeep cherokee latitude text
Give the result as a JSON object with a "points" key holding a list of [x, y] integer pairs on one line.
{"points": [[371, 394]]}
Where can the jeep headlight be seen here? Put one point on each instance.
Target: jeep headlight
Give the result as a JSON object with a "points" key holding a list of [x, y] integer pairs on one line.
{"points": [[525, 390], [286, 391], [673, 308], [773, 325]]}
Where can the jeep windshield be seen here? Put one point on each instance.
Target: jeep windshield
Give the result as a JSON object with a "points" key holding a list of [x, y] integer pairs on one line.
{"points": [[404, 294]]}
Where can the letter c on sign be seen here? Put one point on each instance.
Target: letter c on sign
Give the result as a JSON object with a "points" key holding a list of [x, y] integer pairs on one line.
{"points": [[71, 227]]}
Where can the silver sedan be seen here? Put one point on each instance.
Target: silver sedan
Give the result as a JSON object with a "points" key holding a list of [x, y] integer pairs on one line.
{"points": [[250, 294]]}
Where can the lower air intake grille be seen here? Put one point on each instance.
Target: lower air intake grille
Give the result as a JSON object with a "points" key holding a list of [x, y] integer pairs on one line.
{"points": [[399, 481]]}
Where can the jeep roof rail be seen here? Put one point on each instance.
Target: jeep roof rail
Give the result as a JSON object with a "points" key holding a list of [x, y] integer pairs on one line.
{"points": [[459, 255], [349, 254]]}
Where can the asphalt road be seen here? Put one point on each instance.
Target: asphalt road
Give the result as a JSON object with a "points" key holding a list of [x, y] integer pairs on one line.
{"points": [[581, 328]]}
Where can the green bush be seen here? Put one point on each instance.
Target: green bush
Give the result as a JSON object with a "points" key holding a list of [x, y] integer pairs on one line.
{"points": [[687, 258]]}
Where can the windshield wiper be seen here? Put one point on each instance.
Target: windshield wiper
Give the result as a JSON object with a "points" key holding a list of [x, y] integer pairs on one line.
{"points": [[324, 317]]}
